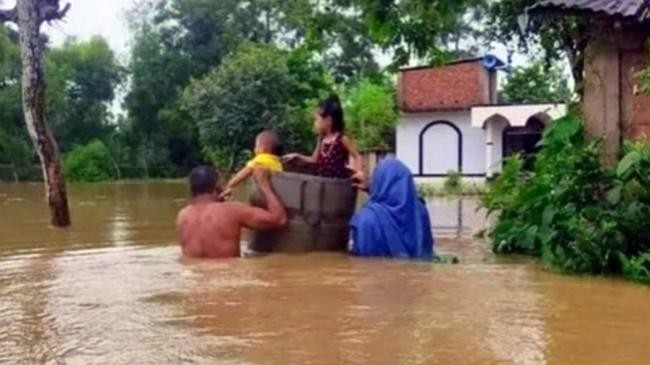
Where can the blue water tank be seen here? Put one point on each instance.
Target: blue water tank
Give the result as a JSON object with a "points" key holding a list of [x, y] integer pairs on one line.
{"points": [[493, 63]]}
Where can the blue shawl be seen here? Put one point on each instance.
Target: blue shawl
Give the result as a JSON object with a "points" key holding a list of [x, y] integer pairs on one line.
{"points": [[395, 222]]}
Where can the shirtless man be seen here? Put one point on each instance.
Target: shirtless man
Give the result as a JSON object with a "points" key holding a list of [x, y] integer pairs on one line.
{"points": [[209, 228]]}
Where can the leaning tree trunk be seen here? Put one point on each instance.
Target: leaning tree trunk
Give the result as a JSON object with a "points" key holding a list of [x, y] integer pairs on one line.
{"points": [[29, 17]]}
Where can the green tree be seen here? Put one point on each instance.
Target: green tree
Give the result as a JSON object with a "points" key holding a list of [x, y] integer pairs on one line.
{"points": [[159, 71], [371, 114], [15, 150], [536, 83], [338, 35], [178, 40], [251, 91], [175, 41], [89, 163], [558, 37], [414, 28], [16, 154], [82, 78]]}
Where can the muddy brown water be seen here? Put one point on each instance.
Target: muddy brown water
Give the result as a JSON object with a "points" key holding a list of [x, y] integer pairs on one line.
{"points": [[113, 290]]}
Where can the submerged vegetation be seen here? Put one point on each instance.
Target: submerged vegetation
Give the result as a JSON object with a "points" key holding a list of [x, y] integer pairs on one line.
{"points": [[578, 215], [452, 186]]}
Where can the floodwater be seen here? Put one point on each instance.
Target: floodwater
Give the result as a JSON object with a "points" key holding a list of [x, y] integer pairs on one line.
{"points": [[113, 290]]}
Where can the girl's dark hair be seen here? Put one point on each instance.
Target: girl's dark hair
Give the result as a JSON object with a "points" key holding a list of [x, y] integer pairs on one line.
{"points": [[331, 107]]}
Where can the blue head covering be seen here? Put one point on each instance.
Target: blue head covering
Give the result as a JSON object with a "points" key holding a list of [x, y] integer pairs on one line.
{"points": [[395, 222]]}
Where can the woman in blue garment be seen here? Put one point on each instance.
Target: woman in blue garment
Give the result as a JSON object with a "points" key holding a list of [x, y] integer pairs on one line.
{"points": [[395, 221]]}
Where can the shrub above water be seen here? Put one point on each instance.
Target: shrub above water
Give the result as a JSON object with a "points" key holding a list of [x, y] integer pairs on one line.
{"points": [[573, 212], [89, 163]]}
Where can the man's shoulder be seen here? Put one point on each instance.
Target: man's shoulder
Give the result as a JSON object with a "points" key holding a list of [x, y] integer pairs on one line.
{"points": [[182, 214], [216, 207], [233, 205], [232, 211]]}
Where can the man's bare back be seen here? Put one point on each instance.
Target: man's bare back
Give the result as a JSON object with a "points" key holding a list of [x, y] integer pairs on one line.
{"points": [[211, 229]]}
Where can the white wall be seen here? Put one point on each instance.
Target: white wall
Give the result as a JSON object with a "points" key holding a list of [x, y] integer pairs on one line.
{"points": [[440, 144], [495, 128], [517, 115]]}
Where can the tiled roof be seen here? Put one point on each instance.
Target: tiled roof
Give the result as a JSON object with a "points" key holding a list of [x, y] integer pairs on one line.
{"points": [[639, 9]]}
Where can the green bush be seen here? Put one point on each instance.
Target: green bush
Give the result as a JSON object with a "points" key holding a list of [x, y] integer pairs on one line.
{"points": [[253, 89], [371, 115], [573, 212], [89, 163]]}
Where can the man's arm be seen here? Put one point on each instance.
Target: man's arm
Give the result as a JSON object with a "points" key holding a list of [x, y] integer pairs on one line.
{"points": [[274, 216]]}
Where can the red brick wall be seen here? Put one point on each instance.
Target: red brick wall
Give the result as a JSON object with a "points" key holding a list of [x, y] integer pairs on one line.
{"points": [[452, 87], [635, 104]]}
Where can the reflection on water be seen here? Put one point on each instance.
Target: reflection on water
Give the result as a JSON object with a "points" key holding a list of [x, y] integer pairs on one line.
{"points": [[456, 217], [113, 290]]}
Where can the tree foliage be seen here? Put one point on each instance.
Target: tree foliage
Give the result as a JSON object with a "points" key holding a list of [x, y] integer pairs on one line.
{"points": [[414, 28], [321, 45], [251, 91], [82, 78], [178, 40], [89, 163], [537, 83], [557, 36], [15, 150], [371, 114], [576, 214]]}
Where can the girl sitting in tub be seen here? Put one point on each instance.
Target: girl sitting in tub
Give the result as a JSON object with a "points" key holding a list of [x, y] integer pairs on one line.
{"points": [[267, 146], [334, 149]]}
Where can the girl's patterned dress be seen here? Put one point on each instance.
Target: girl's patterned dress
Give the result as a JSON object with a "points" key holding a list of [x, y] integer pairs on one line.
{"points": [[333, 158]]}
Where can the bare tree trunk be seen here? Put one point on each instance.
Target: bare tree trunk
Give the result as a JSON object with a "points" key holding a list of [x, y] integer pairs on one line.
{"points": [[29, 16]]}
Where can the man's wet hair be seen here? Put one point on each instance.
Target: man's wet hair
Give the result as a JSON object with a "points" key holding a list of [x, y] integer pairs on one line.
{"points": [[203, 180], [271, 139]]}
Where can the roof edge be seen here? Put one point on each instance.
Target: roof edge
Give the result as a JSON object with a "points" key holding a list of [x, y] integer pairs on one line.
{"points": [[642, 14], [452, 63], [436, 110]]}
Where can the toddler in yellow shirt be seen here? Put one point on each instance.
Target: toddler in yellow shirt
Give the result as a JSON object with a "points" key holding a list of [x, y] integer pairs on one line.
{"points": [[267, 144]]}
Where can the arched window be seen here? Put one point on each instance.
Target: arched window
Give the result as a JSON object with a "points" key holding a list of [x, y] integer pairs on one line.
{"points": [[440, 149]]}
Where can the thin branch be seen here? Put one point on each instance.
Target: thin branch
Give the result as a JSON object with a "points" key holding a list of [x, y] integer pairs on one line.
{"points": [[8, 15], [49, 10], [64, 11]]}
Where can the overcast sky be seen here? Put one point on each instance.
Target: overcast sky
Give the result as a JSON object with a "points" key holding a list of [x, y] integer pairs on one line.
{"points": [[91, 17]]}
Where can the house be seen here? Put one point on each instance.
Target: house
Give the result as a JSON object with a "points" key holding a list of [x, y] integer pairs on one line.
{"points": [[451, 121], [613, 104]]}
